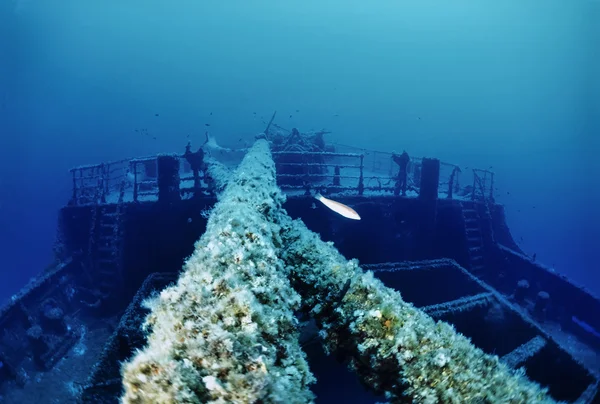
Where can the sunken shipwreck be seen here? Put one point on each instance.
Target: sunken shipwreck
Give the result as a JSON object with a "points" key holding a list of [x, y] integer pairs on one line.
{"points": [[214, 275]]}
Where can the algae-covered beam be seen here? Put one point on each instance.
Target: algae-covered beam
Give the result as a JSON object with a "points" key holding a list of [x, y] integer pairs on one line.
{"points": [[460, 305], [395, 348], [226, 331], [525, 351]]}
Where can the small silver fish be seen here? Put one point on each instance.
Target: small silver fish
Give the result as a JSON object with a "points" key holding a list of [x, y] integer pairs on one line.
{"points": [[338, 208]]}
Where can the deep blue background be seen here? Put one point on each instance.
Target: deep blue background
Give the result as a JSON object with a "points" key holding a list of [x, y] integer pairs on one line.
{"points": [[513, 85]]}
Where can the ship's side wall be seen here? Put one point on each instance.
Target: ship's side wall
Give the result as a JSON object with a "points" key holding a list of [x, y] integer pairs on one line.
{"points": [[158, 237], [566, 299], [390, 230], [501, 230], [37, 324], [451, 241]]}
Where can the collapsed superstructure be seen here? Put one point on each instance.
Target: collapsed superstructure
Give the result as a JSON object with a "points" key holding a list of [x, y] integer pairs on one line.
{"points": [[218, 255]]}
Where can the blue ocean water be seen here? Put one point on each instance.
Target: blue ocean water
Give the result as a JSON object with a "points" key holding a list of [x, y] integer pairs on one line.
{"points": [[508, 85]]}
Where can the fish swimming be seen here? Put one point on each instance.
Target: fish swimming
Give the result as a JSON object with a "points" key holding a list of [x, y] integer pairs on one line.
{"points": [[338, 208]]}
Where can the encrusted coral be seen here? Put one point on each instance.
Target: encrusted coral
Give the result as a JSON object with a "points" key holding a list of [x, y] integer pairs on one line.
{"points": [[395, 348], [226, 332]]}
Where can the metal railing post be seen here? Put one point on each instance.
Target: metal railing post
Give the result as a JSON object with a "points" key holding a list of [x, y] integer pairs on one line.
{"points": [[74, 187], [101, 183], [361, 184], [135, 184], [107, 181]]}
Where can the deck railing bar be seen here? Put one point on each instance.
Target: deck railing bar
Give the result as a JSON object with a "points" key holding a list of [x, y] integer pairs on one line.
{"points": [[98, 180], [92, 166], [191, 178], [316, 176], [329, 154], [319, 165]]}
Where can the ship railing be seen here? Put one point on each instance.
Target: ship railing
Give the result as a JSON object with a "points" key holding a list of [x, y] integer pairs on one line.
{"points": [[189, 185], [320, 171], [129, 180], [298, 172], [94, 184], [449, 181], [483, 186], [365, 170], [145, 179], [380, 169]]}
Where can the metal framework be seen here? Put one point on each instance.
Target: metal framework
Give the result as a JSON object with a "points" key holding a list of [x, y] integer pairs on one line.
{"points": [[352, 171]]}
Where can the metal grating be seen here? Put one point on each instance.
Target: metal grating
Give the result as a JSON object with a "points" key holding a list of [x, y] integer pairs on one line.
{"points": [[450, 293]]}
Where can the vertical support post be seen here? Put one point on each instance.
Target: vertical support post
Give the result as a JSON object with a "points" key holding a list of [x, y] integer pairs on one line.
{"points": [[81, 183], [197, 184], [417, 174], [430, 178], [121, 191], [107, 180], [102, 182], [361, 183], [74, 187], [94, 181], [135, 184], [451, 183], [492, 188], [457, 180], [482, 186], [428, 197], [336, 176], [168, 178]]}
